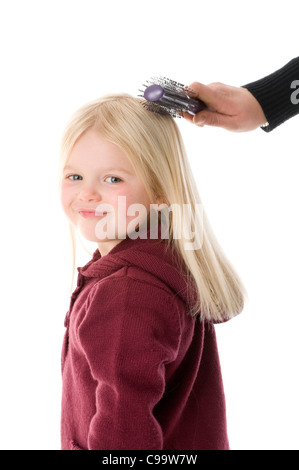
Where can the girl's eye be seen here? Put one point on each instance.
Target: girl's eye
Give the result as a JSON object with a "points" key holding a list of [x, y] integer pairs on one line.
{"points": [[113, 179], [75, 178]]}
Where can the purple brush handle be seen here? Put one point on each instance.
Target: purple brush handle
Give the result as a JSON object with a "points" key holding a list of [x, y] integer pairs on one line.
{"points": [[195, 106], [155, 93]]}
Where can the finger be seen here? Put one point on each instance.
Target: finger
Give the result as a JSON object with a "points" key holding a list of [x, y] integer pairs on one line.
{"points": [[188, 117], [210, 118], [204, 92]]}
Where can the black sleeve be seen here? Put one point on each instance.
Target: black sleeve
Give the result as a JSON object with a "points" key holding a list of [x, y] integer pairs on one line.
{"points": [[278, 94]]}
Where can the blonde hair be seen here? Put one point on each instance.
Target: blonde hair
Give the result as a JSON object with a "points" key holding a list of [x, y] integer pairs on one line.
{"points": [[155, 148]]}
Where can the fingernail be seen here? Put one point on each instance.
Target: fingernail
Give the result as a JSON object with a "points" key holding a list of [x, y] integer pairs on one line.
{"points": [[199, 120]]}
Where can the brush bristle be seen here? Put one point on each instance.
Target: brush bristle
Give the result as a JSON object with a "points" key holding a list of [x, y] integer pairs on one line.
{"points": [[175, 103], [158, 108]]}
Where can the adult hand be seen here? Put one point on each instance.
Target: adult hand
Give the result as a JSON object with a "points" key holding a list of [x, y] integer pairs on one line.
{"points": [[229, 107]]}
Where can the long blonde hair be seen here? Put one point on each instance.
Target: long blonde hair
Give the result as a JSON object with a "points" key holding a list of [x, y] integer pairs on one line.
{"points": [[155, 148]]}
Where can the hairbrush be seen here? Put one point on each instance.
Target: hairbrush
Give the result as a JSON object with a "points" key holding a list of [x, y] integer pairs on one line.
{"points": [[165, 96]]}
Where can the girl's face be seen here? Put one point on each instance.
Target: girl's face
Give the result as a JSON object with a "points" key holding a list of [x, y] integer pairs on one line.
{"points": [[99, 184]]}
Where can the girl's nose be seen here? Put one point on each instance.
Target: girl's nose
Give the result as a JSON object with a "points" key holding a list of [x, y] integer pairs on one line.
{"points": [[89, 194]]}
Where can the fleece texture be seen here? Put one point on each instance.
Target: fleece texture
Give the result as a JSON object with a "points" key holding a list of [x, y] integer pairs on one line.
{"points": [[138, 371]]}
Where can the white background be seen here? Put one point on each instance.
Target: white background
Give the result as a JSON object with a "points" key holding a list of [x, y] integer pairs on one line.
{"points": [[58, 55]]}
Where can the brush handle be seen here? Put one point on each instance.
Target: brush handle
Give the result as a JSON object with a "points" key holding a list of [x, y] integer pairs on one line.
{"points": [[195, 106], [177, 100]]}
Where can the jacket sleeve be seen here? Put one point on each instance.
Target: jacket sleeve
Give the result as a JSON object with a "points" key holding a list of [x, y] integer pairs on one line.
{"points": [[130, 332], [278, 94]]}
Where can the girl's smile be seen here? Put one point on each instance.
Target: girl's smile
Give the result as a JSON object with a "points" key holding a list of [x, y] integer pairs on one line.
{"points": [[89, 214]]}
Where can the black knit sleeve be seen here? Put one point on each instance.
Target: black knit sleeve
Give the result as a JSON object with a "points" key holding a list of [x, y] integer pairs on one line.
{"points": [[278, 94]]}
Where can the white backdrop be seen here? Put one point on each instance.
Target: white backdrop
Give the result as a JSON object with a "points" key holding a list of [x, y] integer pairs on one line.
{"points": [[57, 55]]}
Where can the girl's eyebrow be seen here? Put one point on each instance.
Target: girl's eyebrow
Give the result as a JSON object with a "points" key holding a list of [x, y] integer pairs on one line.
{"points": [[119, 169], [69, 167]]}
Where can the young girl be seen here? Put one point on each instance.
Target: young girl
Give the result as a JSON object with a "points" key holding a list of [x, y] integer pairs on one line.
{"points": [[140, 363]]}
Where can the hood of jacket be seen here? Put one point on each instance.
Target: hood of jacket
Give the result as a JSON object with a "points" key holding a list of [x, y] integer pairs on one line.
{"points": [[153, 256]]}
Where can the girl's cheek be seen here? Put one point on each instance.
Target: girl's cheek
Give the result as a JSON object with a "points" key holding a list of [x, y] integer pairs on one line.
{"points": [[66, 196]]}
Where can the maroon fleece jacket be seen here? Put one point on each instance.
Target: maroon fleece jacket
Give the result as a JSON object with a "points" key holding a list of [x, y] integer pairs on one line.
{"points": [[138, 371]]}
